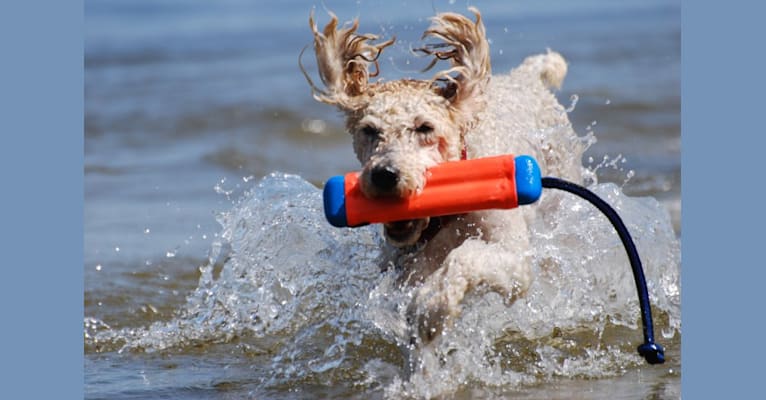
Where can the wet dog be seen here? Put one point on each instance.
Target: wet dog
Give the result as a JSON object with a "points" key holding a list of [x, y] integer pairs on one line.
{"points": [[400, 128]]}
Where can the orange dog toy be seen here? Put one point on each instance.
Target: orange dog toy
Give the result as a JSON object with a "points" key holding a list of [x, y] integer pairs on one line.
{"points": [[455, 187]]}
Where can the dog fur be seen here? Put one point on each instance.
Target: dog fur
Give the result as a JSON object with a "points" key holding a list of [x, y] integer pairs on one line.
{"points": [[400, 128]]}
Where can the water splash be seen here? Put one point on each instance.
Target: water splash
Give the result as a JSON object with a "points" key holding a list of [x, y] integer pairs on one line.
{"points": [[573, 103], [315, 298]]}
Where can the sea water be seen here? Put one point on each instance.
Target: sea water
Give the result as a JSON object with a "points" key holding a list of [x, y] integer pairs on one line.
{"points": [[207, 275]]}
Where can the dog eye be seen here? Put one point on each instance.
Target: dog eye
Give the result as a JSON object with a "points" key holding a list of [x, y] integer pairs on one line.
{"points": [[424, 128], [371, 131]]}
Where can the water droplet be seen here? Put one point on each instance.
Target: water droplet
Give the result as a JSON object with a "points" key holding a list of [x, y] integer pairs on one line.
{"points": [[628, 176], [98, 267], [315, 126], [117, 249], [170, 254], [608, 102], [147, 231], [573, 98], [667, 332]]}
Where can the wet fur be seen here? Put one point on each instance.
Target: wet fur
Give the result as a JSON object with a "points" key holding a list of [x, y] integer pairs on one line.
{"points": [[406, 126]]}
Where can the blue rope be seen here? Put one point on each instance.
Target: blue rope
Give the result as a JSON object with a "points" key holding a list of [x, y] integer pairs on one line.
{"points": [[653, 352]]}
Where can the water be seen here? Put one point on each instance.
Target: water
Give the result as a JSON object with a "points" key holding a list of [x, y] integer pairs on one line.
{"points": [[207, 276]]}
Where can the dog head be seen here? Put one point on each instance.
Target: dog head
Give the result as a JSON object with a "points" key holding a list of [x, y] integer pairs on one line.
{"points": [[401, 128]]}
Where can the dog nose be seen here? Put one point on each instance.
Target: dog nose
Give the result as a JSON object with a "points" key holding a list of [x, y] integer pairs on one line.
{"points": [[384, 178]]}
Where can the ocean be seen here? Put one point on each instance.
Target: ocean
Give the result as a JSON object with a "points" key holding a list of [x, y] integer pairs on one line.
{"points": [[210, 272]]}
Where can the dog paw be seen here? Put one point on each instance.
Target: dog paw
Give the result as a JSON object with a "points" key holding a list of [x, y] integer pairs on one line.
{"points": [[429, 315]]}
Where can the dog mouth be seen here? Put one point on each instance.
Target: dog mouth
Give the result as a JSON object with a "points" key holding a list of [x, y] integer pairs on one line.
{"points": [[405, 232]]}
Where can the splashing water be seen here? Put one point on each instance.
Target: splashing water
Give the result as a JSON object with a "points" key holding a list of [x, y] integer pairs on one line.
{"points": [[310, 301], [314, 296], [573, 99]]}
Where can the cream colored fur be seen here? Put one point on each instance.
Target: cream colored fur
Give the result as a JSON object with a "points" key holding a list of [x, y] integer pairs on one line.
{"points": [[407, 126]]}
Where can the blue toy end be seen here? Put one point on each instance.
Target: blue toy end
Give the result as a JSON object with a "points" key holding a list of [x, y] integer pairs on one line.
{"points": [[653, 353], [528, 183], [334, 196]]}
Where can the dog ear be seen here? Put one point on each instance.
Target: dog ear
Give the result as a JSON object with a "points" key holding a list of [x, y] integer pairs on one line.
{"points": [[343, 58], [464, 43]]}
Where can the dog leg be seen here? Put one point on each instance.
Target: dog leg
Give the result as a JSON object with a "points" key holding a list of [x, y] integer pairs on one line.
{"points": [[475, 264]]}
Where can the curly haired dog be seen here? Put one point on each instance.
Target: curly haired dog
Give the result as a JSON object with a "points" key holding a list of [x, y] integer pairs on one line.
{"points": [[400, 128]]}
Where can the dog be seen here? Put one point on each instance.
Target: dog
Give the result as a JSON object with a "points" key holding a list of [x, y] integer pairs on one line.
{"points": [[402, 127]]}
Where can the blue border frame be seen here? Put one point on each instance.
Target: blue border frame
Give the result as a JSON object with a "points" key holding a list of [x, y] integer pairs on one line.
{"points": [[41, 98], [723, 274]]}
